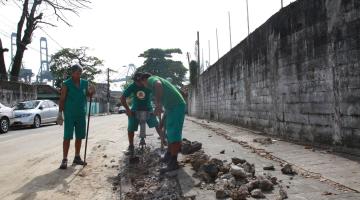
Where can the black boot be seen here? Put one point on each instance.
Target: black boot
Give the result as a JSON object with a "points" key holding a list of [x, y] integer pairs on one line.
{"points": [[171, 165], [130, 150], [166, 157], [63, 164], [77, 161]]}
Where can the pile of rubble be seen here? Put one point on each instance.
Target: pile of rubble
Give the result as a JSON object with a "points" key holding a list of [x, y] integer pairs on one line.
{"points": [[236, 179], [142, 180]]}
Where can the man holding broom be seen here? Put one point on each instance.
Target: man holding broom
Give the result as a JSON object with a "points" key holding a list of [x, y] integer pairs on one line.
{"points": [[73, 103]]}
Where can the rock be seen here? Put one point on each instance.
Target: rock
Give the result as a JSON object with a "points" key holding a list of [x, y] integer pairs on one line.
{"points": [[140, 183], [104, 156], [249, 168], [287, 169], [254, 184], [273, 180], [226, 176], [283, 193], [269, 166], [263, 141], [211, 169], [222, 151], [198, 159], [240, 194], [203, 176], [99, 146], [197, 184], [266, 185], [210, 187], [220, 174], [217, 162], [237, 171], [225, 168], [189, 147], [257, 194], [192, 197], [327, 193], [220, 194], [237, 160]]}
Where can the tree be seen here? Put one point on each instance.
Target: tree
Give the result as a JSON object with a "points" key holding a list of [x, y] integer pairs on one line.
{"points": [[3, 74], [32, 16], [156, 63], [62, 60]]}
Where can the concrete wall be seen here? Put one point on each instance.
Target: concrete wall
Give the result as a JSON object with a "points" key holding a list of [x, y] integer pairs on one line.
{"points": [[297, 76], [12, 92]]}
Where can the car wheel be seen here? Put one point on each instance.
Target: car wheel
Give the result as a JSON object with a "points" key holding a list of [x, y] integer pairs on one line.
{"points": [[4, 125], [37, 121]]}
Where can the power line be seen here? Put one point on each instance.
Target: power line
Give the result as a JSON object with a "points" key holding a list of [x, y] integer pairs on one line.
{"points": [[17, 5], [51, 38], [56, 42]]}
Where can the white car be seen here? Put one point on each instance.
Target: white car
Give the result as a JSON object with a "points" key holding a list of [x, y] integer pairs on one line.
{"points": [[7, 117], [35, 113]]}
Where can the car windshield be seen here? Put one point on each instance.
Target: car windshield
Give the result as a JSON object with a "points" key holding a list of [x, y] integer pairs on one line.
{"points": [[27, 105]]}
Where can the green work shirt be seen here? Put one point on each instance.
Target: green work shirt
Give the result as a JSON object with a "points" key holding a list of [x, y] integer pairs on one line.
{"points": [[171, 96], [140, 97], [75, 102]]}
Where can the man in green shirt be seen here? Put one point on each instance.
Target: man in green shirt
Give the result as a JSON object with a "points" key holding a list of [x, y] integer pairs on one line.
{"points": [[73, 103], [141, 101], [168, 96]]}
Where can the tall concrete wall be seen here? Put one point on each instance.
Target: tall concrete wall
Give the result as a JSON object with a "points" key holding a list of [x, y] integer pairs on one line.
{"points": [[12, 92], [297, 76]]}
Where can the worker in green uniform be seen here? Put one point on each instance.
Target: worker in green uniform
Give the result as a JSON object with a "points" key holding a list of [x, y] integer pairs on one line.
{"points": [[141, 101], [72, 104], [168, 96]]}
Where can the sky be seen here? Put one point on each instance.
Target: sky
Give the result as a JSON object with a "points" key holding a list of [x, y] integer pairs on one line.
{"points": [[118, 31]]}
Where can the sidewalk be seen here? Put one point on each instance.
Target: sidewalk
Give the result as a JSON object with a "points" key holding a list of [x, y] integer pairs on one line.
{"points": [[319, 164]]}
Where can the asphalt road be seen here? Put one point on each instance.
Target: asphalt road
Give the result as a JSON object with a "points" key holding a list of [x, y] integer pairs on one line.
{"points": [[29, 161], [30, 158]]}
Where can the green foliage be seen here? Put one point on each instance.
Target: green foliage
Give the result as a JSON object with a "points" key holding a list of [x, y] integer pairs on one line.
{"points": [[158, 62], [62, 60], [193, 72]]}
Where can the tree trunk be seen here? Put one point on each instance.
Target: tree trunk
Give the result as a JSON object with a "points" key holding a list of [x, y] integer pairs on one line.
{"points": [[3, 74], [16, 66]]}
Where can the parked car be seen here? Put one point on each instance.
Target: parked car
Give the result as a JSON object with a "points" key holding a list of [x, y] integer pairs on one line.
{"points": [[35, 113], [121, 110], [7, 117]]}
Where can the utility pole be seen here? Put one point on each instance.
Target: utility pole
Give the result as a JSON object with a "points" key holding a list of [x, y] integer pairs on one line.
{"points": [[217, 44], [247, 11], [198, 50], [202, 62], [209, 51], [282, 3], [188, 57], [230, 31], [108, 90]]}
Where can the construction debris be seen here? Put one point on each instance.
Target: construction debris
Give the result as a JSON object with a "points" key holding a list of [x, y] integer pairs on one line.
{"points": [[263, 141], [287, 169]]}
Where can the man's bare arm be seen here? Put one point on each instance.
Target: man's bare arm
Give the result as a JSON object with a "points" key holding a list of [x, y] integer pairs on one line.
{"points": [[62, 98]]}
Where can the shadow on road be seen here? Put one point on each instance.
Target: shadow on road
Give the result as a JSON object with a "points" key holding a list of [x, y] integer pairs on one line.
{"points": [[45, 182]]}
